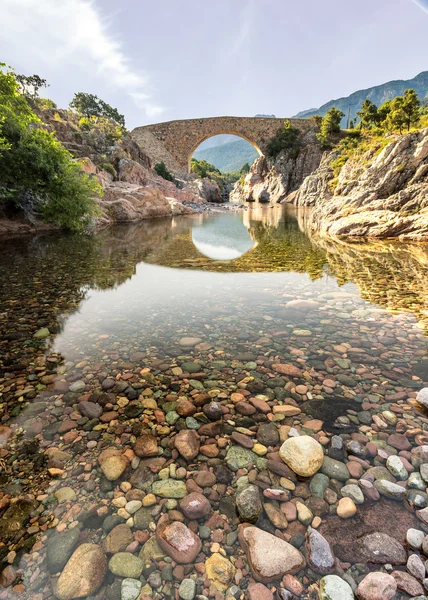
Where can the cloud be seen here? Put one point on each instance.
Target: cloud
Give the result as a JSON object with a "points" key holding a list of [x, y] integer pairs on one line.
{"points": [[422, 4], [71, 34], [246, 24]]}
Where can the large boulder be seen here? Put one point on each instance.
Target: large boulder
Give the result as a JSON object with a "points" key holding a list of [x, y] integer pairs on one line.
{"points": [[302, 454], [83, 574], [209, 190], [270, 558]]}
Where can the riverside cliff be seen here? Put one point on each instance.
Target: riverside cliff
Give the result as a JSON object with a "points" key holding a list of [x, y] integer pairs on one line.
{"points": [[132, 190], [378, 193]]}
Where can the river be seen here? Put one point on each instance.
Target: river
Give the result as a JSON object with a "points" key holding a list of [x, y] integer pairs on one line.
{"points": [[149, 375]]}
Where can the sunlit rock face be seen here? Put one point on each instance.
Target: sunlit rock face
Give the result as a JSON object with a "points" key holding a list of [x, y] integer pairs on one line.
{"points": [[222, 238]]}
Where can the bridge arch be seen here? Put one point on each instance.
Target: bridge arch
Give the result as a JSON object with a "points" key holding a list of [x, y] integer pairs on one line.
{"points": [[210, 135], [174, 142]]}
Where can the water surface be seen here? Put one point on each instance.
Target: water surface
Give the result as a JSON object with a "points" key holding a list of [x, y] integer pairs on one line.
{"points": [[109, 313]]}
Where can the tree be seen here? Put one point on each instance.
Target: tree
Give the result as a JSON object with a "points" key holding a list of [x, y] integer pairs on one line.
{"points": [[163, 171], [203, 169], [31, 84], [329, 126], [286, 138], [411, 108], [368, 114], [397, 116], [36, 172], [92, 106], [244, 169], [384, 111]]}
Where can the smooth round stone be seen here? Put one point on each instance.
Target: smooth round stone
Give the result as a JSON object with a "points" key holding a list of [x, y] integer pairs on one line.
{"points": [[169, 488], [333, 587], [189, 342], [304, 515], [319, 552], [114, 467], [303, 455], [414, 538], [377, 586], [422, 397], [65, 494], [83, 574], [346, 508], [187, 589], [130, 589], [191, 367], [319, 484], [335, 469], [248, 504], [416, 567], [390, 490], [77, 387], [220, 571], [396, 467], [132, 506], [354, 492], [125, 564], [415, 482], [41, 334]]}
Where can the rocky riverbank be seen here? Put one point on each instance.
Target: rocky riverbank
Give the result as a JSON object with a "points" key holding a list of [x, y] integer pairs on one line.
{"points": [[132, 190], [375, 194]]}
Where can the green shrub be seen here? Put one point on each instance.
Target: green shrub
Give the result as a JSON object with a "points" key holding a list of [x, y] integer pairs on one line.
{"points": [[330, 125], [45, 103], [36, 171], [286, 138], [162, 170], [110, 169], [92, 106]]}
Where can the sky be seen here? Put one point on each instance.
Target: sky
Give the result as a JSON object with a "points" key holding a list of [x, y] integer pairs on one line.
{"points": [[178, 59]]}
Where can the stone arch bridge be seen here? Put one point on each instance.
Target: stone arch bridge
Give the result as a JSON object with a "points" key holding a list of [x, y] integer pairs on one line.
{"points": [[174, 142]]}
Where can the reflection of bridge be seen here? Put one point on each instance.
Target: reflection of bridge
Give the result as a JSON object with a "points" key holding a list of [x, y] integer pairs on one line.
{"points": [[174, 142]]}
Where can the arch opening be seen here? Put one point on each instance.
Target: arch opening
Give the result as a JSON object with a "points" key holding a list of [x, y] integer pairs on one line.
{"points": [[228, 151]]}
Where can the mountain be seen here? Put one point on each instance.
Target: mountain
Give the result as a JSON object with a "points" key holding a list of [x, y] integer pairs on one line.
{"points": [[217, 140], [229, 156], [377, 94], [227, 152]]}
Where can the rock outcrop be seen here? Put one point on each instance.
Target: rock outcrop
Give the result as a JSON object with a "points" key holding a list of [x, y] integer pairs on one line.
{"points": [[375, 195], [132, 190], [267, 182]]}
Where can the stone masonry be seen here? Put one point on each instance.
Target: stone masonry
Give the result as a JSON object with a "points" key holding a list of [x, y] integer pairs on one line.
{"points": [[174, 142]]}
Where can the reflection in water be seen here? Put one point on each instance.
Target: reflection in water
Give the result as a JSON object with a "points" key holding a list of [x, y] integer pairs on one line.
{"points": [[222, 237], [95, 353]]}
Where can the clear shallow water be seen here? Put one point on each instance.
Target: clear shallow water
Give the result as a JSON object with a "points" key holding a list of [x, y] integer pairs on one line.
{"points": [[118, 305]]}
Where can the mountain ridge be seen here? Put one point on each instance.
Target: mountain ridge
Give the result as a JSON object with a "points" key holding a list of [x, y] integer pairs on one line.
{"points": [[378, 94]]}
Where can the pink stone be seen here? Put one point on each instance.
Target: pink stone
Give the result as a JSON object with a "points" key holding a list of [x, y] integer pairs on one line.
{"points": [[377, 586]]}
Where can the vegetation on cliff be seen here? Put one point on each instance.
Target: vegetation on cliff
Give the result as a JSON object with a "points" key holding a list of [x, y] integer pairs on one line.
{"points": [[377, 125], [37, 174], [287, 138]]}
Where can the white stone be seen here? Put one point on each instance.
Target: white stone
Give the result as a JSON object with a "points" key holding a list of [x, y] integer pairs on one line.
{"points": [[302, 454], [422, 397], [333, 587], [270, 557], [414, 538]]}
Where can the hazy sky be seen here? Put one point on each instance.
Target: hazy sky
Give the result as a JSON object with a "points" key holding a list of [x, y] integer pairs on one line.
{"points": [[174, 59]]}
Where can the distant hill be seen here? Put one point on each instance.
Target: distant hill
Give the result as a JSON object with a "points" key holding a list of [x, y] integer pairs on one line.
{"points": [[266, 116], [229, 156], [377, 94]]}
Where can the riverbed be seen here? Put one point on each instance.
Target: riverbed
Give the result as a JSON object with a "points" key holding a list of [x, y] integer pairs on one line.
{"points": [[150, 374]]}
